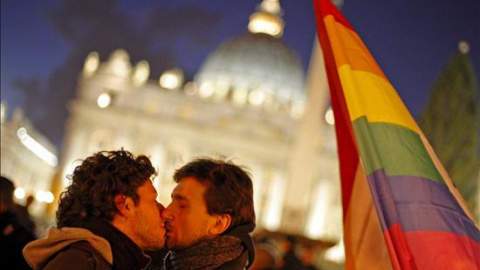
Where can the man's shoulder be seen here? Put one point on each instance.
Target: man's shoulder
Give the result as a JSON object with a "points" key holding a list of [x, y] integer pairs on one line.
{"points": [[79, 255]]}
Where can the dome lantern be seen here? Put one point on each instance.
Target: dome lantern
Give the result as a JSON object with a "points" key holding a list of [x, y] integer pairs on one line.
{"points": [[267, 19]]}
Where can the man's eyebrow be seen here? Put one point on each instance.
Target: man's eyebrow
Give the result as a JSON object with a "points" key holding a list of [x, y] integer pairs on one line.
{"points": [[179, 197]]}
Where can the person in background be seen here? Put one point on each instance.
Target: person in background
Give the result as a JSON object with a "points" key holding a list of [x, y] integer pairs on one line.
{"points": [[106, 217], [24, 216], [290, 259], [210, 218], [13, 236], [266, 257], [308, 258]]}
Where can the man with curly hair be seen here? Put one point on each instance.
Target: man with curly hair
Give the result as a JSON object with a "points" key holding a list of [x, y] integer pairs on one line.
{"points": [[210, 218], [106, 217]]}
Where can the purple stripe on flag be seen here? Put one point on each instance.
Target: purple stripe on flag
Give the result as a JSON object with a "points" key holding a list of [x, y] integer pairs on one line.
{"points": [[418, 204]]}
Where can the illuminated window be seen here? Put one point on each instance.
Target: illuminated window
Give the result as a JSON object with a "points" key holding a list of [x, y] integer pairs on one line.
{"points": [[119, 63], [190, 88], [206, 89], [19, 193], [240, 96], [141, 73], [171, 79], [104, 100], [91, 64], [3, 112], [329, 117], [256, 97]]}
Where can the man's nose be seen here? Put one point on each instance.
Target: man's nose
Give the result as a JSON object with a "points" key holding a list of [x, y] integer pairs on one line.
{"points": [[166, 214], [161, 208]]}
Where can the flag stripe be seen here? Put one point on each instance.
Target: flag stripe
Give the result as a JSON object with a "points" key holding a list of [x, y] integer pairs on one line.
{"points": [[443, 251], [400, 254], [447, 179], [364, 243], [347, 149], [428, 207], [372, 96], [349, 49], [396, 149], [410, 189], [425, 191], [325, 10]]}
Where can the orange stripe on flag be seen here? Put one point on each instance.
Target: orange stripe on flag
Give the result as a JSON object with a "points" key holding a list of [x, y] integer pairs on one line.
{"points": [[365, 246], [348, 49]]}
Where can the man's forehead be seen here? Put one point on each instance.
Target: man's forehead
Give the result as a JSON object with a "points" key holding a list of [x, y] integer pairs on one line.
{"points": [[188, 188]]}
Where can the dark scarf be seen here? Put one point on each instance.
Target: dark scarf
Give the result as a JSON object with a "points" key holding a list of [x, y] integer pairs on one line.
{"points": [[213, 253], [126, 254]]}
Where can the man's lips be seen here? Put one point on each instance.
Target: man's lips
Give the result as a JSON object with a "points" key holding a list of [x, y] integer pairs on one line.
{"points": [[168, 227]]}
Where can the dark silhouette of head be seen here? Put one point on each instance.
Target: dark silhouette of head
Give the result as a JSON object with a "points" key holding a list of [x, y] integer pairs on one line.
{"points": [[6, 193]]}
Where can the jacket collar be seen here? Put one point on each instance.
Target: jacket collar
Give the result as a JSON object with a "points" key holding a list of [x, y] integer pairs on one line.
{"points": [[126, 254]]}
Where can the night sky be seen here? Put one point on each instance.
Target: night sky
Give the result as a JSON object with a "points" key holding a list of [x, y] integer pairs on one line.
{"points": [[44, 43]]}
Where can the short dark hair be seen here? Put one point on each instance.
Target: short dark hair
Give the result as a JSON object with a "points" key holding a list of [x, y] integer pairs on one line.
{"points": [[96, 182], [6, 192], [229, 188]]}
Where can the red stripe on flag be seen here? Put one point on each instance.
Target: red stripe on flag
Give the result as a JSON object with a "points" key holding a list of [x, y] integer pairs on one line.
{"points": [[327, 8], [347, 149], [400, 254], [444, 250]]}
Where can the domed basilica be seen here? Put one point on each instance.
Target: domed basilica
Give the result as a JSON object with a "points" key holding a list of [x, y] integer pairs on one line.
{"points": [[250, 102]]}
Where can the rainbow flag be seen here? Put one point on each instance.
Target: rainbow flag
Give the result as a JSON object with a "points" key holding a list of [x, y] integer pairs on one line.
{"points": [[401, 210]]}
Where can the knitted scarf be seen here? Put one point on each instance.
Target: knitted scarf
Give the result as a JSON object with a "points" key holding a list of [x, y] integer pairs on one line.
{"points": [[206, 255]]}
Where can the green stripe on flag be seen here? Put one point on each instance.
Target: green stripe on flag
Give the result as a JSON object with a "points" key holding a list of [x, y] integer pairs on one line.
{"points": [[397, 149]]}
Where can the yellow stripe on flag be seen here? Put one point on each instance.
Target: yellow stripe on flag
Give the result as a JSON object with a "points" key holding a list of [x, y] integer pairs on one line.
{"points": [[373, 97]]}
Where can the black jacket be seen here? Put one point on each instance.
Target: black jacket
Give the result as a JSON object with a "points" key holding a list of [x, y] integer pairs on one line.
{"points": [[13, 238]]}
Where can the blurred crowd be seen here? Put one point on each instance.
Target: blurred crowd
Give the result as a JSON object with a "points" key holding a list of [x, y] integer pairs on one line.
{"points": [[282, 253], [16, 226]]}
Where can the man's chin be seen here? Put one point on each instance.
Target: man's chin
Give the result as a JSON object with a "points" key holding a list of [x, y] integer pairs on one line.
{"points": [[171, 245], [154, 246], [178, 247], [157, 248]]}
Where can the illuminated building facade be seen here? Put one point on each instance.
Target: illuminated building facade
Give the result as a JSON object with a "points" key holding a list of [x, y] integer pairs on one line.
{"points": [[249, 102], [27, 158]]}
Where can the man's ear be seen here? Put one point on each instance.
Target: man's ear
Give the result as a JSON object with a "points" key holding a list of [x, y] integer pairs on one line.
{"points": [[124, 205], [221, 224]]}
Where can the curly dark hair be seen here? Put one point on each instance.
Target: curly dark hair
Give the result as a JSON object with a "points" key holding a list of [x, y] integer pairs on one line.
{"points": [[96, 182], [229, 188]]}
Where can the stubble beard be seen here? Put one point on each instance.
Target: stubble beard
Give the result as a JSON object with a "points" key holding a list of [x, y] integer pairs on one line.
{"points": [[193, 241], [149, 240]]}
